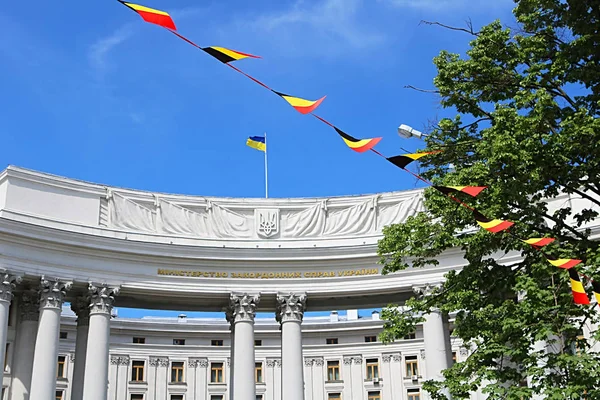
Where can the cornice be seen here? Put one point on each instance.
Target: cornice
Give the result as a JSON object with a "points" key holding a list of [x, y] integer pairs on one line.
{"points": [[243, 202]]}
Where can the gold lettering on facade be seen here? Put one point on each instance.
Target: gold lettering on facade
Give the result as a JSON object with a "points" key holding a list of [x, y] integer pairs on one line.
{"points": [[268, 275]]}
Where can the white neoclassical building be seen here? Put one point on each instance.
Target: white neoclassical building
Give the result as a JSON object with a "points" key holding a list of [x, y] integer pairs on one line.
{"points": [[72, 251]]}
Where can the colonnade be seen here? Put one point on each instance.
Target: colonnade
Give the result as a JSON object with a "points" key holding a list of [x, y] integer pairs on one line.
{"points": [[35, 367], [289, 313]]}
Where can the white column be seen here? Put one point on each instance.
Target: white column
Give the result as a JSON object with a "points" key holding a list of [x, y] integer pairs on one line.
{"points": [[243, 308], [160, 380], [25, 344], [230, 318], [290, 311], [391, 376], [45, 359], [271, 375], [7, 284], [81, 307], [437, 350], [308, 376], [95, 381]]}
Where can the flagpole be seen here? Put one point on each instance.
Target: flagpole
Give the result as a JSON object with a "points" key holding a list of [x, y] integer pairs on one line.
{"points": [[266, 169]]}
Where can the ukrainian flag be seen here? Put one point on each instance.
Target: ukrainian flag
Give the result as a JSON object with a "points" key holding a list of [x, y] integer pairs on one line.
{"points": [[257, 142]]}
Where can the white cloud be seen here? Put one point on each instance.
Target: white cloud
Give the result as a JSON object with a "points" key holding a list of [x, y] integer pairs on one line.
{"points": [[98, 52], [324, 26]]}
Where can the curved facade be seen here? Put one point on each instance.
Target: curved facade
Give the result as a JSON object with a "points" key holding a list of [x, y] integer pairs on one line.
{"points": [[97, 247]]}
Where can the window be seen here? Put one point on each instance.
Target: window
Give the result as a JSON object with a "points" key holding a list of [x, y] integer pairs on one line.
{"points": [[370, 339], [60, 371], [334, 396], [59, 395], [177, 372], [137, 371], [216, 373], [331, 341], [216, 397], [374, 396], [258, 372], [333, 370], [411, 336], [259, 397], [413, 394], [137, 397], [258, 343], [176, 397], [179, 342], [63, 335], [412, 367], [216, 343], [372, 368], [140, 340], [453, 357]]}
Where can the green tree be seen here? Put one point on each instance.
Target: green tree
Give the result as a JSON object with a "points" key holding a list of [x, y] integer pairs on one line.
{"points": [[527, 127]]}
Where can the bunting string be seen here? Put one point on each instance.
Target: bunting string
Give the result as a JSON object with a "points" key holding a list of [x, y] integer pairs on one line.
{"points": [[228, 57]]}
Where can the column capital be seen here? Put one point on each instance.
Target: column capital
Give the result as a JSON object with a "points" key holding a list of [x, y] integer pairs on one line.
{"points": [[310, 361], [29, 305], [101, 298], [427, 289], [8, 282], [242, 307], [290, 307], [198, 362], [119, 360], [159, 361], [274, 362], [81, 308], [386, 358], [53, 292]]}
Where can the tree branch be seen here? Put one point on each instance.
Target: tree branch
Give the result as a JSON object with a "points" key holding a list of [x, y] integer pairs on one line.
{"points": [[583, 194], [421, 90], [469, 25], [558, 222]]}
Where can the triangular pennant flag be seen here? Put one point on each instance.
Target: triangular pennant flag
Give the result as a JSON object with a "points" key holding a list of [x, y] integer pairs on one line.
{"points": [[358, 145], [539, 242], [579, 294], [403, 160], [596, 288], [470, 190], [152, 15], [227, 55], [491, 225], [303, 106], [564, 263]]}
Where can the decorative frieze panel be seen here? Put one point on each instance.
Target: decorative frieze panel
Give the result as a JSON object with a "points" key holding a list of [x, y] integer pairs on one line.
{"points": [[209, 219], [274, 362]]}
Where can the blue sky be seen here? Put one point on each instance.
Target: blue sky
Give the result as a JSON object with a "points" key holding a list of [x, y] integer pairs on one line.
{"points": [[90, 91]]}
